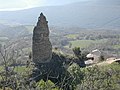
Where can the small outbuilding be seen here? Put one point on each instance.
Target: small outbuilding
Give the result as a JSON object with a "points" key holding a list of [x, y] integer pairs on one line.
{"points": [[94, 56]]}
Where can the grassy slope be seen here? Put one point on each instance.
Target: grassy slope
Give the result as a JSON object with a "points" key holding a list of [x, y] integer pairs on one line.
{"points": [[86, 43], [17, 69], [72, 36]]}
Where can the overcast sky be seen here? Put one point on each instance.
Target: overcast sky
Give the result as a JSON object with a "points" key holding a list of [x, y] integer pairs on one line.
{"points": [[21, 4]]}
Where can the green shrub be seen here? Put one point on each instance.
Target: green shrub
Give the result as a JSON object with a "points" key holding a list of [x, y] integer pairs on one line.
{"points": [[48, 85], [101, 78]]}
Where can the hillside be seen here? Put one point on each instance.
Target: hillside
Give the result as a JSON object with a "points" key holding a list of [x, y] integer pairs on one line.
{"points": [[88, 14], [78, 50]]}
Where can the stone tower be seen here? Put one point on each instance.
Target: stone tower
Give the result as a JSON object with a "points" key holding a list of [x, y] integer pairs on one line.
{"points": [[41, 47]]}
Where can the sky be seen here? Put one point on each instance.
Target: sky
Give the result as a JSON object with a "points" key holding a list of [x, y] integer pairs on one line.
{"points": [[23, 4]]}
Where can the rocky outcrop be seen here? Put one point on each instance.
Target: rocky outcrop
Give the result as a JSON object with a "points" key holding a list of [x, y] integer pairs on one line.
{"points": [[41, 47]]}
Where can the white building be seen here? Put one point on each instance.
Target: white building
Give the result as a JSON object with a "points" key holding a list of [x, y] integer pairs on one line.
{"points": [[94, 56]]}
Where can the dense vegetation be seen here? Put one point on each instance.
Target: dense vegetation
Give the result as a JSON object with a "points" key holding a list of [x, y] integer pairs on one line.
{"points": [[17, 70], [66, 76]]}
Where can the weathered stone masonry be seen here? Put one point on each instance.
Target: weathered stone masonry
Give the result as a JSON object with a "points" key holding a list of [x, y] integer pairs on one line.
{"points": [[41, 47]]}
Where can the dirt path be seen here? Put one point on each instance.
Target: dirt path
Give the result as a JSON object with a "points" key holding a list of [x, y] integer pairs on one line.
{"points": [[107, 62]]}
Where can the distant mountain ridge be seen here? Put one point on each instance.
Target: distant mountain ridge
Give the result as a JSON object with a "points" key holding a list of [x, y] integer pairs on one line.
{"points": [[89, 14]]}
